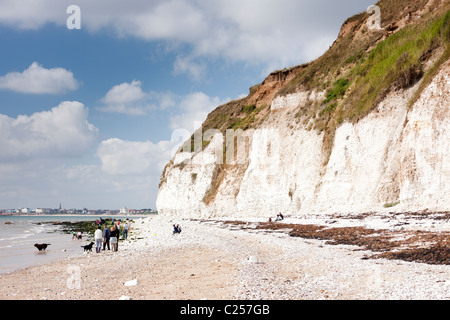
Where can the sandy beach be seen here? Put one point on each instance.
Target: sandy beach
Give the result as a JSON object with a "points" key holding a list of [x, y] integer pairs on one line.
{"points": [[230, 260]]}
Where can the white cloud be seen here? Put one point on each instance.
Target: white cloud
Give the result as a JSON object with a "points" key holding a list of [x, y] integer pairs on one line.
{"points": [[102, 189], [129, 98], [47, 182], [263, 32], [61, 132], [193, 110], [163, 100], [129, 170], [125, 93], [128, 175], [38, 80], [186, 65], [187, 112], [174, 20], [120, 157], [30, 14], [126, 98]]}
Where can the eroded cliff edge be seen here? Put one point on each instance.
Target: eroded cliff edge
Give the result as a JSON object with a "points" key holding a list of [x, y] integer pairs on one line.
{"points": [[364, 128]]}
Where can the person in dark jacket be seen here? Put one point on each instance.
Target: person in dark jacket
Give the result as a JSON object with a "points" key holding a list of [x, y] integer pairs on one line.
{"points": [[106, 237], [115, 233]]}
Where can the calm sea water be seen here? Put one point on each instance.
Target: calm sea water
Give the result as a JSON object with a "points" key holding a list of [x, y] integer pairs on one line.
{"points": [[17, 240]]}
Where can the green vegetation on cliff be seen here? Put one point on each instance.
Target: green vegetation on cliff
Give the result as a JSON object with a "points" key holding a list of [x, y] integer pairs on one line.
{"points": [[395, 63], [357, 74]]}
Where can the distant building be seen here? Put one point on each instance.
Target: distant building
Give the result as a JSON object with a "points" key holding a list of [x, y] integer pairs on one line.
{"points": [[45, 211], [124, 210]]}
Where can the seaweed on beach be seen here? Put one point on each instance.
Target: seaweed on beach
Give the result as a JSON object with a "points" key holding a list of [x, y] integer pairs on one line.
{"points": [[368, 239], [69, 227], [86, 227], [438, 253], [414, 246]]}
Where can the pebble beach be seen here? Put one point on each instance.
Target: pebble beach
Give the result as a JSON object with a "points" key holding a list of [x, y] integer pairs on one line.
{"points": [[219, 260]]}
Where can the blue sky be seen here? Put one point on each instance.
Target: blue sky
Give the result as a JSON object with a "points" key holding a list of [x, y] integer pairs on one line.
{"points": [[87, 116]]}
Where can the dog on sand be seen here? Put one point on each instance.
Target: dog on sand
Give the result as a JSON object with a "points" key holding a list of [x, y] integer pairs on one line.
{"points": [[41, 247], [88, 247]]}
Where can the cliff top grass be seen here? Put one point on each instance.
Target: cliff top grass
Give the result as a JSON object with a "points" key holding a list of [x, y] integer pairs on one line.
{"points": [[395, 63], [356, 84], [349, 48]]}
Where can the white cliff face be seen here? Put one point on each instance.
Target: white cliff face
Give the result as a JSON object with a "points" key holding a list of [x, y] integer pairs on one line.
{"points": [[359, 164], [295, 99], [290, 100], [284, 169], [187, 181], [425, 149], [394, 159]]}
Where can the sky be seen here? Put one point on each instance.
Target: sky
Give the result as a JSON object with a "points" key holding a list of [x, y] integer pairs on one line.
{"points": [[95, 99]]}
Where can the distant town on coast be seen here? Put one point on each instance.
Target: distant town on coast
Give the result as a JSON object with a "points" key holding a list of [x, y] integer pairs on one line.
{"points": [[84, 211]]}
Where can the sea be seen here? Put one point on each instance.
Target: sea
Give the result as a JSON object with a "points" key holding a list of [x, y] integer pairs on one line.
{"points": [[18, 234]]}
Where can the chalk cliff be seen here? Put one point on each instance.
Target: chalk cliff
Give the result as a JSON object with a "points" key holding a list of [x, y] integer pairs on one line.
{"points": [[364, 128]]}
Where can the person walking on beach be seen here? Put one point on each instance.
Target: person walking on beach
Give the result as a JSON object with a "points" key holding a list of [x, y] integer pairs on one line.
{"points": [[115, 238], [106, 237], [98, 237], [126, 228]]}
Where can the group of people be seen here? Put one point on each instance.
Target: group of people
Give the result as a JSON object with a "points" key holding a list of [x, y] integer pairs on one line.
{"points": [[176, 229], [77, 235], [109, 237], [279, 217]]}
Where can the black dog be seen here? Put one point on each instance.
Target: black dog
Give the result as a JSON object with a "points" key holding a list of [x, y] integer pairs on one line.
{"points": [[88, 247], [42, 247]]}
